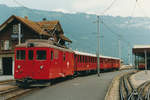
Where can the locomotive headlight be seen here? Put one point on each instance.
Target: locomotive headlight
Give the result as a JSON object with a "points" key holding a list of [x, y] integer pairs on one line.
{"points": [[19, 66], [41, 67]]}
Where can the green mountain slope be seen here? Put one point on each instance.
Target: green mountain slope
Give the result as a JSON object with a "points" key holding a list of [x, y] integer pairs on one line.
{"points": [[81, 29]]}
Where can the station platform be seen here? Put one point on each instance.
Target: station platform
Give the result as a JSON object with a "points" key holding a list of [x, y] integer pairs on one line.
{"points": [[140, 77], [6, 77], [126, 67]]}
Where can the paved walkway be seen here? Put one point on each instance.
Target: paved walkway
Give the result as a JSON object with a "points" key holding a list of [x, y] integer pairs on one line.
{"points": [[6, 77], [81, 88]]}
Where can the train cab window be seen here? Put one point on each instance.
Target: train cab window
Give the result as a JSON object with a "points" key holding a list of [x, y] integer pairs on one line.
{"points": [[20, 55], [51, 55], [41, 55], [30, 54]]}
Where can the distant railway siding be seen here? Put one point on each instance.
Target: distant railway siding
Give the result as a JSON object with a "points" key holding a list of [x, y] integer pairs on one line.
{"points": [[124, 87]]}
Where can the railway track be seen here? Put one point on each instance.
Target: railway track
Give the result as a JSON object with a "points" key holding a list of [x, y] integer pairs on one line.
{"points": [[6, 82], [144, 91], [128, 92], [12, 94], [126, 89], [10, 91]]}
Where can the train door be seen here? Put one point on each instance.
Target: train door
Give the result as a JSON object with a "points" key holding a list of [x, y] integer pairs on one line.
{"points": [[40, 68], [52, 64], [30, 61], [65, 62], [75, 62], [56, 66]]}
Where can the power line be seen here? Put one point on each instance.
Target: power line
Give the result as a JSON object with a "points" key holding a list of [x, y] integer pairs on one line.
{"points": [[112, 31], [142, 10], [20, 4], [109, 7]]}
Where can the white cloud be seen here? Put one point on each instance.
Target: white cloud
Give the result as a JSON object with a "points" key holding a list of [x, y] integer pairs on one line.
{"points": [[63, 10], [119, 8]]}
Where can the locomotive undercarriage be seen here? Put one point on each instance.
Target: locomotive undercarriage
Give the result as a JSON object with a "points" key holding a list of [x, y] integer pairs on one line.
{"points": [[29, 82]]}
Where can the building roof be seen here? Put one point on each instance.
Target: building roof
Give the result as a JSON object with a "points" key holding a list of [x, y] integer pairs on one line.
{"points": [[140, 48], [39, 27]]}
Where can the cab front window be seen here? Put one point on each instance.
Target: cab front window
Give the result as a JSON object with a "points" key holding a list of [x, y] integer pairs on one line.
{"points": [[41, 54], [20, 54]]}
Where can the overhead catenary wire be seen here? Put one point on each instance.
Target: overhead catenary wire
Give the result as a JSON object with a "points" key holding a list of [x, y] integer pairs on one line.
{"points": [[22, 5], [112, 31], [112, 3], [107, 9]]}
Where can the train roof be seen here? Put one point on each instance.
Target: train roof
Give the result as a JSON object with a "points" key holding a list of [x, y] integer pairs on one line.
{"points": [[43, 43], [93, 55]]}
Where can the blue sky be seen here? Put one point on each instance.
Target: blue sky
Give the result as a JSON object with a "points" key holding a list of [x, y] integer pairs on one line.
{"points": [[119, 8]]}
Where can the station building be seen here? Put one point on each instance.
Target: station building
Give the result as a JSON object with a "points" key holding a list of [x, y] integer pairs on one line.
{"points": [[9, 30], [141, 54]]}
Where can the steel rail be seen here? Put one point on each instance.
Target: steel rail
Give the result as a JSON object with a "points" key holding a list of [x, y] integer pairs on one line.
{"points": [[129, 91], [121, 89]]}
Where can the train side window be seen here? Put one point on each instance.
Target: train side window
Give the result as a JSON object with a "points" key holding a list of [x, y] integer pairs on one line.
{"points": [[64, 56], [93, 60], [51, 55], [80, 59], [41, 54], [30, 54], [20, 55]]}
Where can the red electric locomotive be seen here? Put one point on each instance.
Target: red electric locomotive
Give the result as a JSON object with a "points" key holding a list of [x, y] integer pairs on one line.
{"points": [[40, 61]]}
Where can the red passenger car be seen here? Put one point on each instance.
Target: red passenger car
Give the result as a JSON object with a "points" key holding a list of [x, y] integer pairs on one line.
{"points": [[85, 62]]}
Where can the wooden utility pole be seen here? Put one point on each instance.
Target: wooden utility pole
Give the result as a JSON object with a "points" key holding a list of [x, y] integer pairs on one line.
{"points": [[98, 46], [19, 33]]}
